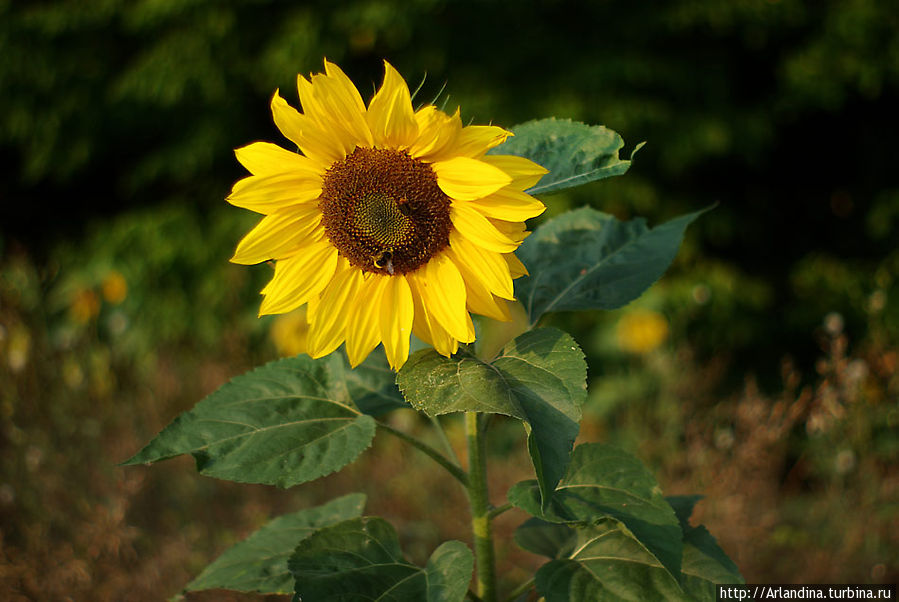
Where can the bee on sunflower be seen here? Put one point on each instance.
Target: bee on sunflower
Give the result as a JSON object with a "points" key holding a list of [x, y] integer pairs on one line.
{"points": [[389, 221]]}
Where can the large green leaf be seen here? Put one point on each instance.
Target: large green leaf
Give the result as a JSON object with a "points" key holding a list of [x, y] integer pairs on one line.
{"points": [[372, 386], [705, 565], [259, 563], [290, 421], [448, 572], [585, 259], [574, 153], [604, 481], [360, 559], [609, 564], [538, 378], [553, 540]]}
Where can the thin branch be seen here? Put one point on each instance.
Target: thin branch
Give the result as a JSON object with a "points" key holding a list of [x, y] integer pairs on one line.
{"points": [[499, 510], [435, 455], [526, 586], [444, 440]]}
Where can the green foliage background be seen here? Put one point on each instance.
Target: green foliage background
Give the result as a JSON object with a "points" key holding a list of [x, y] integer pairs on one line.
{"points": [[117, 119], [781, 110]]}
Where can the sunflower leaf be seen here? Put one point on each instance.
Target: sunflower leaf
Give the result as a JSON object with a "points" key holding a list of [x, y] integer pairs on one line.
{"points": [[609, 563], [603, 481], [538, 378], [574, 153], [705, 565], [259, 563], [553, 540], [287, 422], [372, 386], [361, 559], [585, 259]]}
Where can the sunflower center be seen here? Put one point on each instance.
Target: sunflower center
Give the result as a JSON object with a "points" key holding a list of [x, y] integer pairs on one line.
{"points": [[384, 211], [379, 217]]}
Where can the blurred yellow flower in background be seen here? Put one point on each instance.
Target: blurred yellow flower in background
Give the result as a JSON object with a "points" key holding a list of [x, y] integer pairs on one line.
{"points": [[115, 287], [289, 332], [85, 305], [391, 221], [18, 346], [641, 330]]}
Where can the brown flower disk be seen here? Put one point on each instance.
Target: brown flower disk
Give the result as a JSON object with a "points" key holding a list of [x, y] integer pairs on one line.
{"points": [[384, 210]]}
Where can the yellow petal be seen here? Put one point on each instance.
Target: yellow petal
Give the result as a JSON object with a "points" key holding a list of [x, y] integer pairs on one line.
{"points": [[341, 114], [437, 133], [443, 292], [516, 231], [426, 327], [469, 325], [516, 268], [363, 333], [300, 277], [279, 235], [395, 318], [524, 172], [350, 91], [475, 140], [329, 328], [287, 119], [312, 109], [489, 306], [478, 297], [479, 230], [467, 179], [390, 114], [311, 307], [267, 194], [302, 131], [509, 204], [488, 267], [267, 159]]}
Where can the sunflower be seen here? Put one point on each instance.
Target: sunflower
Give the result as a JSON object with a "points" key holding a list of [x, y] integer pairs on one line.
{"points": [[389, 221]]}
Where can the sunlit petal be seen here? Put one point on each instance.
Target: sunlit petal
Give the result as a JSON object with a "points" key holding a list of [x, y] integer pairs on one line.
{"points": [[488, 267], [342, 112], [475, 140], [427, 328], [443, 291], [396, 312], [390, 113], [267, 194], [363, 332], [516, 268], [267, 159], [299, 277], [509, 205], [479, 230], [302, 131], [279, 235], [329, 328], [524, 172], [437, 132], [467, 179]]}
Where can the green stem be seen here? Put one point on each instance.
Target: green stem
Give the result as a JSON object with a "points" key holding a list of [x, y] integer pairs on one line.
{"points": [[526, 586], [497, 511], [432, 453], [479, 501]]}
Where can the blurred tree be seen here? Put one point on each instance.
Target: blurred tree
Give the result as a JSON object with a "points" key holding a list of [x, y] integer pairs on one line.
{"points": [[783, 110]]}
